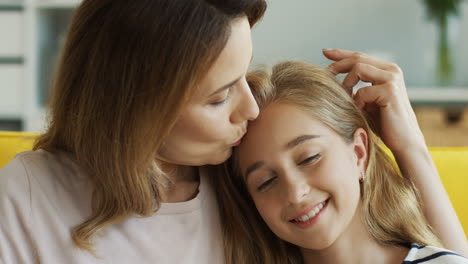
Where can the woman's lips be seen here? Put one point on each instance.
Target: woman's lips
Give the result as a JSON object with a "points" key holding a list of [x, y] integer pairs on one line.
{"points": [[237, 143]]}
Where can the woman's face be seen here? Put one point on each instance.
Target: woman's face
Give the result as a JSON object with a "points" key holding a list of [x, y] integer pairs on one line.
{"points": [[302, 176], [216, 118]]}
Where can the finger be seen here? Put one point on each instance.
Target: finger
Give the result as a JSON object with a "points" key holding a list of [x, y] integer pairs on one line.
{"points": [[338, 54], [366, 73], [376, 94], [345, 65]]}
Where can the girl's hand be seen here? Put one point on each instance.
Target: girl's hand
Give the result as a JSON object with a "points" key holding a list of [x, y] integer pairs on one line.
{"points": [[386, 100]]}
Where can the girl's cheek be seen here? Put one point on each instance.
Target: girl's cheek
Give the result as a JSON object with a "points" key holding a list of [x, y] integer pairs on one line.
{"points": [[268, 208], [261, 206]]}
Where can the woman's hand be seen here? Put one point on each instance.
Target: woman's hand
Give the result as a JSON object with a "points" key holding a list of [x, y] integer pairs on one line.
{"points": [[386, 100]]}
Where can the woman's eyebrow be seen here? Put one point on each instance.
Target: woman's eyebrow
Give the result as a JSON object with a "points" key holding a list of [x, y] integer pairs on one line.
{"points": [[300, 139], [224, 87]]}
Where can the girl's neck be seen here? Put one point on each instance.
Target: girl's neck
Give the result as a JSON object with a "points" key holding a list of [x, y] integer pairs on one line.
{"points": [[355, 246]]}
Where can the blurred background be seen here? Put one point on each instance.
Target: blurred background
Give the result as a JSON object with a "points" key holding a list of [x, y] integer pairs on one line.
{"points": [[428, 39]]}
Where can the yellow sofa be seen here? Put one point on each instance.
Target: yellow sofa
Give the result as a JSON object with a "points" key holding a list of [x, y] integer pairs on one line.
{"points": [[12, 143], [452, 164]]}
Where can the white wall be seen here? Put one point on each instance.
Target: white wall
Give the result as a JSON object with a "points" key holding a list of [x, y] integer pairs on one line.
{"points": [[393, 29]]}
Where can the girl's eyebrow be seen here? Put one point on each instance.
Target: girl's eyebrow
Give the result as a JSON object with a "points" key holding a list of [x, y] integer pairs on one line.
{"points": [[300, 139], [291, 144], [257, 165]]}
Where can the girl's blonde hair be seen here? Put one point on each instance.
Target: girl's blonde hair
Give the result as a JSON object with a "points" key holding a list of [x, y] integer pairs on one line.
{"points": [[126, 71], [390, 201]]}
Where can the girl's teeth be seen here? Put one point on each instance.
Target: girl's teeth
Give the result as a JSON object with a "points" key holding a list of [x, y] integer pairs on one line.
{"points": [[311, 214]]}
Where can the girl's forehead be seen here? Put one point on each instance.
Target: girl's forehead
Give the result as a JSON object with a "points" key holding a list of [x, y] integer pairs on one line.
{"points": [[285, 117], [278, 125]]}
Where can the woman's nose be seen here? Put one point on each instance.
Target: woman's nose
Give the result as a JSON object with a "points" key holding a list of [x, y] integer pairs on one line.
{"points": [[247, 108]]}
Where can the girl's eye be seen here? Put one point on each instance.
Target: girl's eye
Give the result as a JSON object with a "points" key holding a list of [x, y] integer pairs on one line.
{"points": [[309, 160], [266, 184]]}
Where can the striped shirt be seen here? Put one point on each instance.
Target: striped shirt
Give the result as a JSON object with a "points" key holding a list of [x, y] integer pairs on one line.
{"points": [[433, 255]]}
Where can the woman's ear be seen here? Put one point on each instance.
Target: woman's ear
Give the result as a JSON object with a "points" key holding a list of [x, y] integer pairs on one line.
{"points": [[361, 150]]}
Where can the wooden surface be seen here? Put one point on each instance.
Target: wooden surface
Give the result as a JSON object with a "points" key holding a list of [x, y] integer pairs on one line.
{"points": [[440, 133]]}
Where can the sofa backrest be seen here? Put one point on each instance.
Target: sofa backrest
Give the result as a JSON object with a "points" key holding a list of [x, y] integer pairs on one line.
{"points": [[452, 164]]}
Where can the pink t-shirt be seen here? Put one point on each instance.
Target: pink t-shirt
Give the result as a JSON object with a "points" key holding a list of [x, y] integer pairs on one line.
{"points": [[43, 196]]}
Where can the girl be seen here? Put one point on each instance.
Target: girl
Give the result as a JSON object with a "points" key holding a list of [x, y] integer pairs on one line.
{"points": [[147, 92], [315, 172]]}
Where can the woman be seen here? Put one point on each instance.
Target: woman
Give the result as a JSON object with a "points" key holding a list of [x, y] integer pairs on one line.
{"points": [[146, 92], [324, 184]]}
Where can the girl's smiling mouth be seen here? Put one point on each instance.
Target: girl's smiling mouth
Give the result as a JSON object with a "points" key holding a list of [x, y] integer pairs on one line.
{"points": [[310, 216]]}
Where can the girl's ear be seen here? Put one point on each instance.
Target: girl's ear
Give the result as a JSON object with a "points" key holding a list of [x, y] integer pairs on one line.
{"points": [[360, 145]]}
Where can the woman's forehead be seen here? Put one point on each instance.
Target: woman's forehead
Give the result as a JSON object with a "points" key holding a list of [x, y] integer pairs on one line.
{"points": [[233, 61]]}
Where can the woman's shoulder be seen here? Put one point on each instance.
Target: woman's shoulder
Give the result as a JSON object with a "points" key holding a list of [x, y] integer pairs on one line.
{"points": [[42, 184], [42, 196], [38, 171], [15, 176], [429, 254]]}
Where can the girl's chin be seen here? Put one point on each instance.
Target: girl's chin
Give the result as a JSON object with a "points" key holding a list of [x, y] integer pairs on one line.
{"points": [[316, 245]]}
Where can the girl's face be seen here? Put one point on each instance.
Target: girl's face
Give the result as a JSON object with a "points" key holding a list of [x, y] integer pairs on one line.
{"points": [[302, 176], [216, 118]]}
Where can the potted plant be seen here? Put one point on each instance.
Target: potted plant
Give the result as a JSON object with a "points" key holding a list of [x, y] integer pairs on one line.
{"points": [[441, 11]]}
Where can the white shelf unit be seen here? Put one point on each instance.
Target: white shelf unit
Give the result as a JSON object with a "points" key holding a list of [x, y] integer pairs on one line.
{"points": [[444, 96], [11, 61], [32, 33], [53, 4]]}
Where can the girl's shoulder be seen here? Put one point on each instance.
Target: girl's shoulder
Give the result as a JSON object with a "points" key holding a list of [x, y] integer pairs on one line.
{"points": [[433, 255]]}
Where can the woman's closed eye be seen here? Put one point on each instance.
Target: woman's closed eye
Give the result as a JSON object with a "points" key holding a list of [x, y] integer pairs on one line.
{"points": [[309, 160], [224, 99]]}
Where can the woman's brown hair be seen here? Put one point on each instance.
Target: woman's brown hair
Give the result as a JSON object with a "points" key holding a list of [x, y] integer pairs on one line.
{"points": [[127, 69], [388, 198]]}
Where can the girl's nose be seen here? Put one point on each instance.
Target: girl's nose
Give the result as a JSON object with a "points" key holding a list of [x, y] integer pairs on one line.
{"points": [[297, 189]]}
